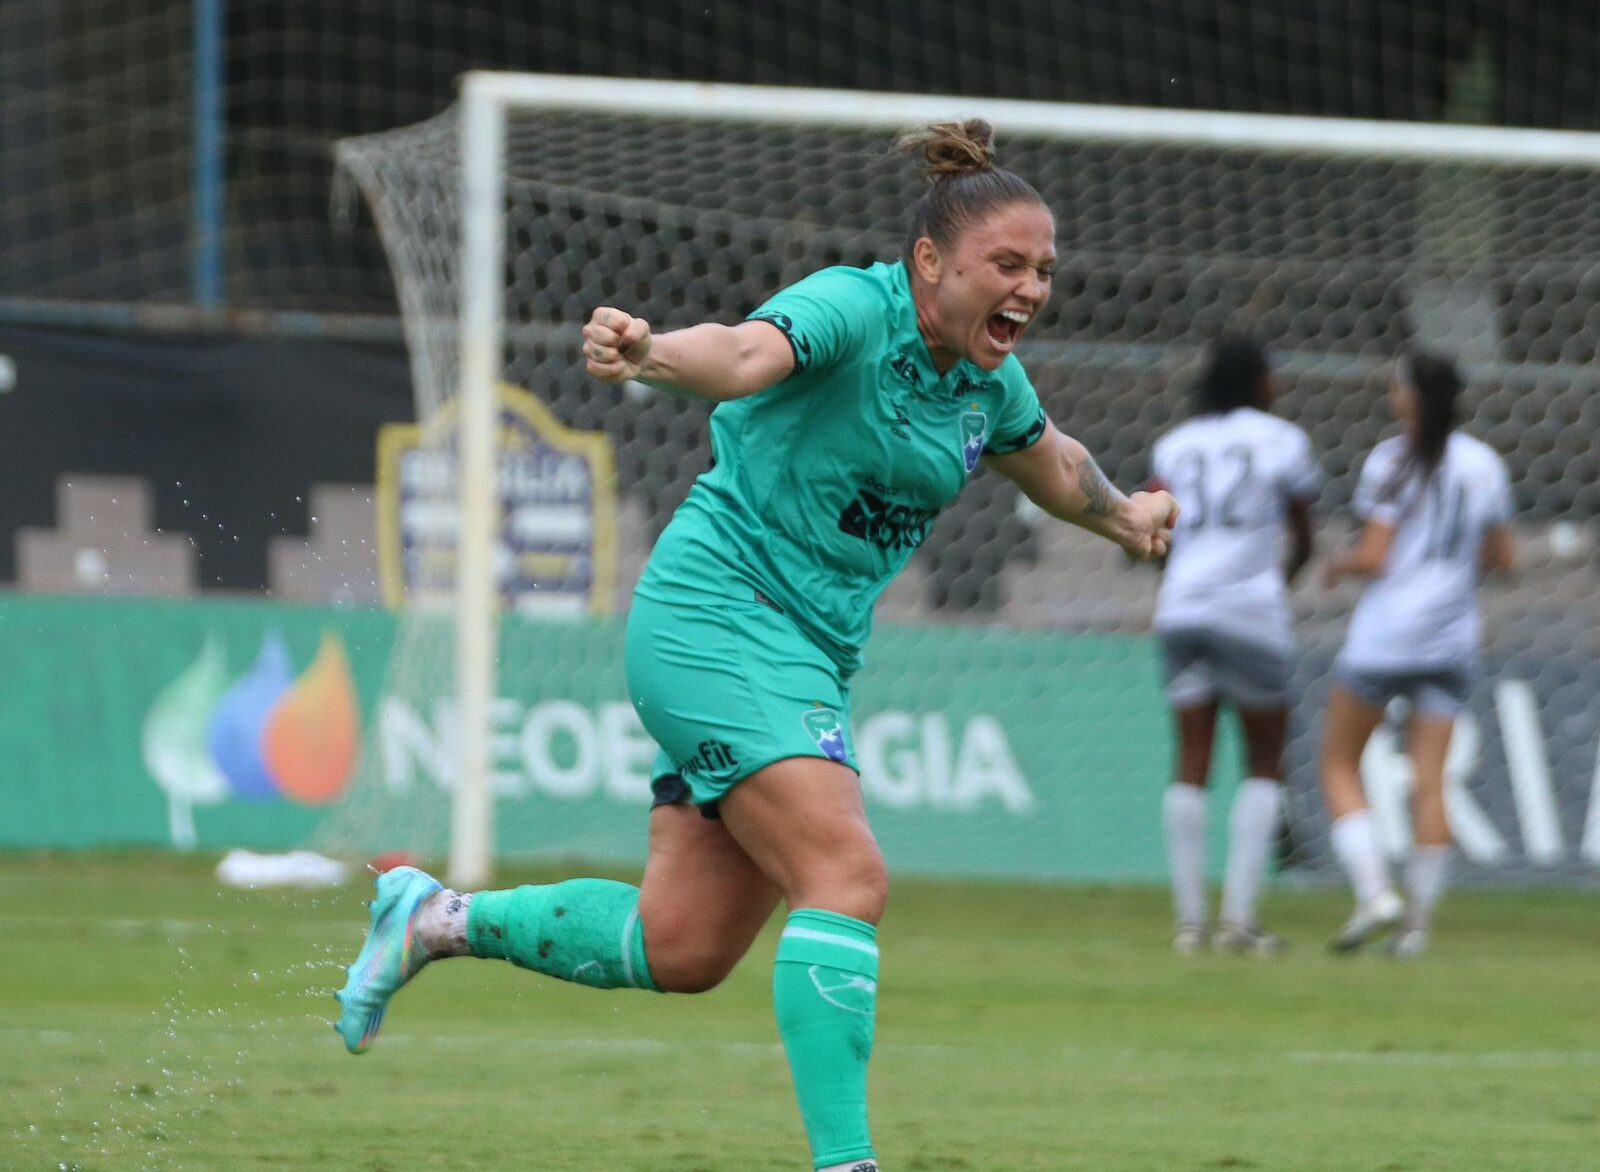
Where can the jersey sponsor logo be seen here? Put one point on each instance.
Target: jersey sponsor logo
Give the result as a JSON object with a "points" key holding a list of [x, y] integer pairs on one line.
{"points": [[710, 757], [873, 517], [974, 429], [905, 367], [822, 725]]}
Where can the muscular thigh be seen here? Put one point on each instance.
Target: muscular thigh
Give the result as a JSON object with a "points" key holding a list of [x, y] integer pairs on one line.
{"points": [[803, 823], [702, 900]]}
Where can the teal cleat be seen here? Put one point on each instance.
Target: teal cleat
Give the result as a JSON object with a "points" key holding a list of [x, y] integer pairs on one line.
{"points": [[388, 959]]}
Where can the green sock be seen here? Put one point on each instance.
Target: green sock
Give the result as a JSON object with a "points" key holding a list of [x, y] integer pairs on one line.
{"points": [[825, 990], [584, 930]]}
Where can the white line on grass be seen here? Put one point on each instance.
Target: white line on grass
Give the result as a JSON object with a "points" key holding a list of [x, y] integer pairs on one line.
{"points": [[1447, 1058], [657, 1046], [178, 929]]}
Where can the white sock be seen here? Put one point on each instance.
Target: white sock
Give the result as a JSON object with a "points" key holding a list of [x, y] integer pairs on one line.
{"points": [[1427, 872], [1183, 813], [1252, 826], [442, 924], [1355, 842]]}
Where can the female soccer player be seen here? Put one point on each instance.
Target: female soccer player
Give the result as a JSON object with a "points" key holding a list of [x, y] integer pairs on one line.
{"points": [[1436, 506], [853, 406], [1223, 619]]}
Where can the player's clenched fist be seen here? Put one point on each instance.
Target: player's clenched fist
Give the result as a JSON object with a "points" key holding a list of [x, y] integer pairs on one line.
{"points": [[615, 345], [1158, 514]]}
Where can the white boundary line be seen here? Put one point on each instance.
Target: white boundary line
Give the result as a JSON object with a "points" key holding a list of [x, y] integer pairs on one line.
{"points": [[660, 1046]]}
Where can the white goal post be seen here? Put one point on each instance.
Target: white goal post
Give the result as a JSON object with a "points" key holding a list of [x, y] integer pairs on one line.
{"points": [[488, 100]]}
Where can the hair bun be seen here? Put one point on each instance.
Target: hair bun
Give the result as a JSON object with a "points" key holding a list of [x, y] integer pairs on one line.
{"points": [[951, 148]]}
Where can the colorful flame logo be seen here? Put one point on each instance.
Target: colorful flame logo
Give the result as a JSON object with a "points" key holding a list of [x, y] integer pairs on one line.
{"points": [[266, 735]]}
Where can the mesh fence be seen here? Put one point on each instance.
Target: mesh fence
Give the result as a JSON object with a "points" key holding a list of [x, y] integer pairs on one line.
{"points": [[1335, 262], [99, 99]]}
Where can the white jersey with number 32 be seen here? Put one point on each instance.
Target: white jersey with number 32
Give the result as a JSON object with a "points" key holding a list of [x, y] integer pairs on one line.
{"points": [[1421, 610], [1234, 475]]}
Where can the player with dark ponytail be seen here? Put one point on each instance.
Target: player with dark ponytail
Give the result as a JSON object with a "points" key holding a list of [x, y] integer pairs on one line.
{"points": [[1436, 506]]}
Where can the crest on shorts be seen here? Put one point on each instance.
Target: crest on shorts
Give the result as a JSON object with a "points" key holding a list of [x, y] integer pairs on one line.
{"points": [[824, 726], [974, 426]]}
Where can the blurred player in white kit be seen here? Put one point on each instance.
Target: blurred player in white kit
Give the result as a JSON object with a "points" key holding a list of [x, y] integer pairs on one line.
{"points": [[1435, 506], [1244, 479]]}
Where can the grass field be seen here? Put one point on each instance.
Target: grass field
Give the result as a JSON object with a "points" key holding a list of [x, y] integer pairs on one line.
{"points": [[152, 1020]]}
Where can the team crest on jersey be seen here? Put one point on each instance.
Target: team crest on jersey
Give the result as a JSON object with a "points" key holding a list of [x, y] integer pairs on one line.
{"points": [[974, 426], [824, 727]]}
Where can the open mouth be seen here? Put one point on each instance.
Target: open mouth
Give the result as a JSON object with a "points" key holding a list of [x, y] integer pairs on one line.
{"points": [[1005, 327]]}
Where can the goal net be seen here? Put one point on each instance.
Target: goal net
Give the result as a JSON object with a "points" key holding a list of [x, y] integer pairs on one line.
{"points": [[1010, 719]]}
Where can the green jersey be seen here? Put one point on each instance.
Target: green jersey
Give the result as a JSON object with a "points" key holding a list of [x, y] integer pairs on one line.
{"points": [[823, 486]]}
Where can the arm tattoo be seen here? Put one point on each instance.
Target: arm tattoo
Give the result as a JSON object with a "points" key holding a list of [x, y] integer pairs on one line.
{"points": [[1101, 495]]}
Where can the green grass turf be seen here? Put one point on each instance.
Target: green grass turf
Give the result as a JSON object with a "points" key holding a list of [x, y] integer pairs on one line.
{"points": [[152, 1020]]}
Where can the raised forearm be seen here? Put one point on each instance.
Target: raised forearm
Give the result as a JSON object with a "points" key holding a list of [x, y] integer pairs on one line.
{"points": [[1082, 495], [715, 362], [1060, 476]]}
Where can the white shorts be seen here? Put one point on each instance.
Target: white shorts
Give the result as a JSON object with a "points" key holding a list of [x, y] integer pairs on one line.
{"points": [[1204, 665]]}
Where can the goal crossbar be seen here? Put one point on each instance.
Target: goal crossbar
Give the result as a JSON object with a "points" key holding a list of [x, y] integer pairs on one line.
{"points": [[1079, 121], [488, 97]]}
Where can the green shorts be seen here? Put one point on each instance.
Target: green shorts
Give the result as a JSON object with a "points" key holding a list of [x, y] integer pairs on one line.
{"points": [[726, 688]]}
